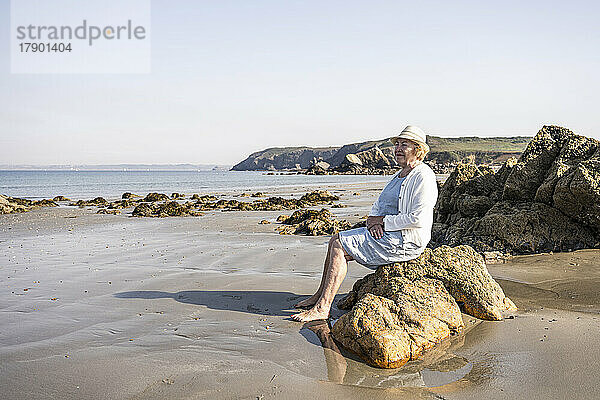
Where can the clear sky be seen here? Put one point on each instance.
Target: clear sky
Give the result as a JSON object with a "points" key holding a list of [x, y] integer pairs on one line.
{"points": [[233, 77]]}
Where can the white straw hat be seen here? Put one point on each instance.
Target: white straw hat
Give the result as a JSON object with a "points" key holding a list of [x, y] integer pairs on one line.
{"points": [[413, 133]]}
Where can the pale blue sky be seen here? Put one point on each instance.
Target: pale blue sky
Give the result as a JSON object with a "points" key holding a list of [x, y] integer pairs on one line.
{"points": [[233, 77]]}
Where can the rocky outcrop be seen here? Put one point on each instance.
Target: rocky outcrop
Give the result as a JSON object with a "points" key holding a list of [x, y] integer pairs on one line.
{"points": [[405, 308], [284, 158], [205, 198], [548, 200], [129, 195], [112, 211], [318, 168], [153, 207], [119, 204], [10, 205], [95, 202], [311, 223], [153, 197], [168, 209], [61, 198], [315, 198], [369, 162]]}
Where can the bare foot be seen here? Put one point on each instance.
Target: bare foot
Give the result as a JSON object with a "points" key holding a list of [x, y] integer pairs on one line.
{"points": [[311, 301], [311, 315]]}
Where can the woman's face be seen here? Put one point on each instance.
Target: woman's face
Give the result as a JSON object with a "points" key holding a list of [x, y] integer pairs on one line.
{"points": [[405, 152]]}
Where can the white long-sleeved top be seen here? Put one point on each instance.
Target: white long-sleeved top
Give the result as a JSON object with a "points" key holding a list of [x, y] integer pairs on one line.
{"points": [[417, 197]]}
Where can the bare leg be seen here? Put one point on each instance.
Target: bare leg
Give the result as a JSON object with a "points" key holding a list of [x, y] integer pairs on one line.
{"points": [[313, 299], [338, 265]]}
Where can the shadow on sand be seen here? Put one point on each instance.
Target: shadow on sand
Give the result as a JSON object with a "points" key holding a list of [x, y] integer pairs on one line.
{"points": [[342, 367], [258, 302]]}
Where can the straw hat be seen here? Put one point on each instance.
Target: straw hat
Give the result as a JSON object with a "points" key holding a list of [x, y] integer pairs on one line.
{"points": [[413, 133]]}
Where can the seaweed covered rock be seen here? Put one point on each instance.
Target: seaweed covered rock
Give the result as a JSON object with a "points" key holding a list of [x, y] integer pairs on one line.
{"points": [[119, 204], [112, 211], [154, 197], [548, 200], [405, 308], [317, 197], [312, 223], [61, 198], [95, 202], [10, 205], [43, 203], [168, 209], [129, 195], [205, 198]]}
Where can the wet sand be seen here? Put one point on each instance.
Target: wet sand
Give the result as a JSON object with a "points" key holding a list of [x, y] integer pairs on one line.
{"points": [[113, 307]]}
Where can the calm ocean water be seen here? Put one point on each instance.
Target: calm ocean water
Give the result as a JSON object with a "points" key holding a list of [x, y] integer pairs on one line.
{"points": [[89, 184]]}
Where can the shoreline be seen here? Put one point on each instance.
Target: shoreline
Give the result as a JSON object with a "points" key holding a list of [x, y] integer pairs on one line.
{"points": [[198, 307]]}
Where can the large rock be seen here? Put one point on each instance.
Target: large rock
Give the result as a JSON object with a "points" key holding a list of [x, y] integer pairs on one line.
{"points": [[153, 197], [387, 331], [404, 308], [548, 200]]}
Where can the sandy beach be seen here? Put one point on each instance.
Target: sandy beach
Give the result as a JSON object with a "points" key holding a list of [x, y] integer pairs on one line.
{"points": [[116, 307]]}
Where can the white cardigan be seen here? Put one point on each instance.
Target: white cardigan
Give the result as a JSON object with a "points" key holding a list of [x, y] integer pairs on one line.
{"points": [[417, 197]]}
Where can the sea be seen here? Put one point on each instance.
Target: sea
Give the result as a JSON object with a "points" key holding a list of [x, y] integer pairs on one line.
{"points": [[43, 184]]}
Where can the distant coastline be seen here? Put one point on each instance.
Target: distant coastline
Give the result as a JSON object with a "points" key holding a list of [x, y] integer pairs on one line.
{"points": [[115, 167]]}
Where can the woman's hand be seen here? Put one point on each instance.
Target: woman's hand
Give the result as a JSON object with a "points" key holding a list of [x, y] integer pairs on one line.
{"points": [[375, 226]]}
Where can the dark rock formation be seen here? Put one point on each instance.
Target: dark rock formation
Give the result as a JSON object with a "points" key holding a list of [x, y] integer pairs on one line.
{"points": [[112, 211], [61, 198], [122, 204], [312, 223], [207, 202], [168, 209], [153, 197], [96, 202], [548, 200], [205, 198], [10, 205], [405, 308], [317, 197]]}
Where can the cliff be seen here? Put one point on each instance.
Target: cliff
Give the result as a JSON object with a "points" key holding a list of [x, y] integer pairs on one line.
{"points": [[445, 153]]}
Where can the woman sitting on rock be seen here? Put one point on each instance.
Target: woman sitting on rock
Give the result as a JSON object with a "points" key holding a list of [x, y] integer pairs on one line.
{"points": [[398, 227]]}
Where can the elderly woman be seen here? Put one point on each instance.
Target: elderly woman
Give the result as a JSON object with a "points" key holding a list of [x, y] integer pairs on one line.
{"points": [[398, 227]]}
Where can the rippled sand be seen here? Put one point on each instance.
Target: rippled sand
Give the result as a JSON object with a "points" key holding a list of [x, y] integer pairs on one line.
{"points": [[112, 307]]}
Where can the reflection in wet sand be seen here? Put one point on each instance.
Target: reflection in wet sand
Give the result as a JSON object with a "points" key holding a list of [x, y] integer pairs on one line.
{"points": [[437, 367]]}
